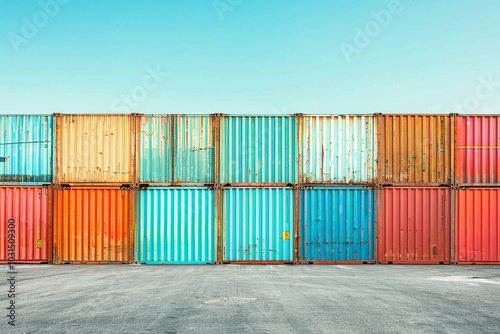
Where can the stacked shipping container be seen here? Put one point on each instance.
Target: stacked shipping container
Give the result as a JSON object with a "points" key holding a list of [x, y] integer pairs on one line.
{"points": [[477, 189], [94, 195], [250, 189], [26, 146]]}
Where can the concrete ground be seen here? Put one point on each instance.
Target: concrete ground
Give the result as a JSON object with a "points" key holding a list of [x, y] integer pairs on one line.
{"points": [[254, 299]]}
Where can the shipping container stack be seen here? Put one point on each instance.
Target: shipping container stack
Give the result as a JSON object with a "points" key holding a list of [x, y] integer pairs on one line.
{"points": [[416, 168], [94, 196], [477, 189], [259, 189], [26, 151], [178, 192], [337, 169]]}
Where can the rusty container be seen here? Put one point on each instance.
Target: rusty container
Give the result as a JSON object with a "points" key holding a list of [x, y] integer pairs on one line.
{"points": [[338, 149], [177, 149], [477, 231], [415, 150], [95, 149], [93, 225], [477, 156], [258, 150], [25, 224], [414, 225]]}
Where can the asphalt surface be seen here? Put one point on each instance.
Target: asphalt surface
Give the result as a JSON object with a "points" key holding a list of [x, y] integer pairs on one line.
{"points": [[254, 299]]}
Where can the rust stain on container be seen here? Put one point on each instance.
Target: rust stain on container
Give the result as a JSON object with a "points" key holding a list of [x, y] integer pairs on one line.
{"points": [[477, 150], [414, 225], [93, 225], [478, 225], [26, 210], [415, 149], [95, 149]]}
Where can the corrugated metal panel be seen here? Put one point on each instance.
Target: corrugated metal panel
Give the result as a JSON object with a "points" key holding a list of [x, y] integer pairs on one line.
{"points": [[337, 224], [26, 149], [258, 149], [478, 225], [93, 225], [478, 150], [414, 225], [95, 149], [415, 149], [176, 225], [258, 224], [338, 149], [194, 149], [156, 153], [30, 208]]}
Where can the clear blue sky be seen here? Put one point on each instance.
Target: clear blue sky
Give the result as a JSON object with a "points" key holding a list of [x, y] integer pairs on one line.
{"points": [[252, 57]]}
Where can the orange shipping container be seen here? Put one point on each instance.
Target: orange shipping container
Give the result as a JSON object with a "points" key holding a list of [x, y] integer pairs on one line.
{"points": [[414, 225], [25, 223], [95, 149], [415, 149], [478, 226], [93, 225]]}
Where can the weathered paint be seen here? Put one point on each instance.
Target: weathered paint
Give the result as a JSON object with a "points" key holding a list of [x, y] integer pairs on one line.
{"points": [[478, 225], [176, 225], [338, 149], [414, 225], [337, 224], [95, 149], [177, 149], [258, 224], [258, 149], [26, 147], [29, 209], [93, 225], [194, 149], [477, 150], [156, 149], [415, 149]]}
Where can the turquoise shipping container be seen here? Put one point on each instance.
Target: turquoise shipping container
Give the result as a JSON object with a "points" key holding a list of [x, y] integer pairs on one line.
{"points": [[176, 225], [258, 225], [177, 149], [26, 149], [337, 224], [258, 150]]}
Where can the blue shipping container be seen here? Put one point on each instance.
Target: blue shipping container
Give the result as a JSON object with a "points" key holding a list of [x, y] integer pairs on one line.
{"points": [[26, 148], [176, 225], [337, 224], [258, 224]]}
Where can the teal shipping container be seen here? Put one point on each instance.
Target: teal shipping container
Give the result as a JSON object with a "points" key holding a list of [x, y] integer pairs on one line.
{"points": [[177, 149], [337, 225], [258, 150], [176, 225], [258, 225], [26, 149]]}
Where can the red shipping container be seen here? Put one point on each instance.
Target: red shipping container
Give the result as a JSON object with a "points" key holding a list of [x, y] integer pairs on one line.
{"points": [[414, 225], [27, 210], [478, 226], [477, 150]]}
